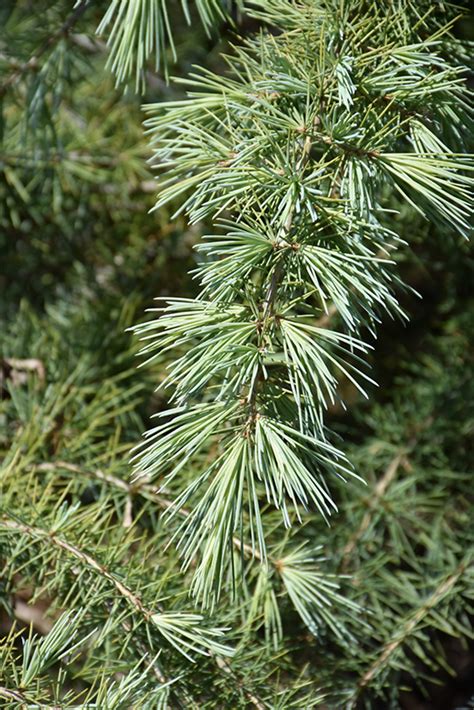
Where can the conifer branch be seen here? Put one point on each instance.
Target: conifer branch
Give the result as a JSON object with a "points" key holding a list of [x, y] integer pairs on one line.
{"points": [[15, 696], [186, 635], [53, 539], [373, 503], [443, 589], [295, 159], [286, 564], [33, 61], [133, 489], [179, 629], [141, 30], [301, 177], [389, 475]]}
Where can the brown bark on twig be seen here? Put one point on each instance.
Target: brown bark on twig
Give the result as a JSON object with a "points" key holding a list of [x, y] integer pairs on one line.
{"points": [[32, 63], [410, 625], [379, 492]]}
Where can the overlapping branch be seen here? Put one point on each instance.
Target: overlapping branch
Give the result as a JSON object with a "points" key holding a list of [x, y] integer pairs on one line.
{"points": [[295, 149]]}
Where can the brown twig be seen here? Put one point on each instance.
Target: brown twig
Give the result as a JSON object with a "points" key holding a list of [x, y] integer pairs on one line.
{"points": [[16, 365], [410, 625], [133, 599], [32, 63], [14, 696], [32, 615], [23, 702], [140, 488], [378, 493]]}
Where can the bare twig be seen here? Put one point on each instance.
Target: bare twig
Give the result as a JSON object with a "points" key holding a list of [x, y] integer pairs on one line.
{"points": [[23, 702], [31, 614]]}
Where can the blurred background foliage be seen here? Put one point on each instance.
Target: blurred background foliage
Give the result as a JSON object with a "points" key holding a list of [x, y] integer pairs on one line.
{"points": [[81, 257]]}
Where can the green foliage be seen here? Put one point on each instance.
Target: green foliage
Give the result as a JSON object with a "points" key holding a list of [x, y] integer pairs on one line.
{"points": [[319, 149], [142, 29], [301, 151]]}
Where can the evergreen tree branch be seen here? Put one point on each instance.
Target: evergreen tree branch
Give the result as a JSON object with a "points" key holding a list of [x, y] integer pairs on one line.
{"points": [[16, 697], [400, 459], [379, 491], [181, 630], [291, 175], [390, 648], [284, 563], [186, 634], [32, 64], [142, 30], [376, 98], [51, 538], [139, 487]]}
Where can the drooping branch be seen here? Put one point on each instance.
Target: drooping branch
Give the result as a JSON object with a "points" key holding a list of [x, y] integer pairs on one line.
{"points": [[157, 617], [279, 145]]}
